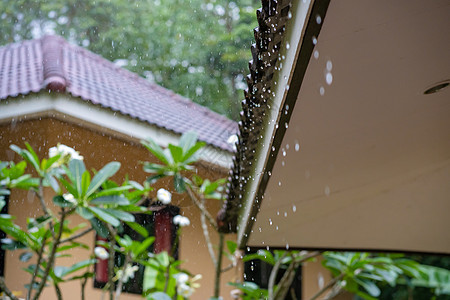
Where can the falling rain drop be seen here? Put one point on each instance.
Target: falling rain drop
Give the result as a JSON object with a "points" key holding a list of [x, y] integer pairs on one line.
{"points": [[318, 19], [316, 54], [322, 91], [327, 191], [329, 78]]}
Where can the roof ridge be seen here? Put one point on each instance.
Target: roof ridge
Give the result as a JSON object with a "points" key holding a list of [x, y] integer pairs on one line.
{"points": [[52, 61]]}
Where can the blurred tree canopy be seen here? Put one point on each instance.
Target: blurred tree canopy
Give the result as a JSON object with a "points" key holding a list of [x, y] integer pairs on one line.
{"points": [[197, 48]]}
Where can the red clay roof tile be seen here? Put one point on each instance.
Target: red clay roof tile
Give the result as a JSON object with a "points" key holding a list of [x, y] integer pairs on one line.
{"points": [[52, 63]]}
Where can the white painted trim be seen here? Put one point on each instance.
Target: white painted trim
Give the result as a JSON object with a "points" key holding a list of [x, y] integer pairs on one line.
{"points": [[86, 114], [294, 36]]}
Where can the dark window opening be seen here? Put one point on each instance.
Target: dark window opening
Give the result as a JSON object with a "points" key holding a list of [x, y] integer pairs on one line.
{"points": [[160, 225], [258, 272]]}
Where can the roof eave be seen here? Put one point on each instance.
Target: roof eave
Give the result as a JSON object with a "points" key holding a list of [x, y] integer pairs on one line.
{"points": [[83, 113], [295, 52]]}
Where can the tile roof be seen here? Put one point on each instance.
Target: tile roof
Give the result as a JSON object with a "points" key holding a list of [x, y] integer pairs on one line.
{"points": [[51, 63], [272, 18]]}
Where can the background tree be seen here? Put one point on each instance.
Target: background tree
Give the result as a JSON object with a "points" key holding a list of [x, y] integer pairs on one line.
{"points": [[199, 49]]}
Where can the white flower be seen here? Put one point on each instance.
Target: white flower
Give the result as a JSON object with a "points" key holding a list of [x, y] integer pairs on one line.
{"points": [[129, 273], [181, 278], [184, 290], [65, 151], [181, 221], [70, 198], [101, 253], [164, 196]]}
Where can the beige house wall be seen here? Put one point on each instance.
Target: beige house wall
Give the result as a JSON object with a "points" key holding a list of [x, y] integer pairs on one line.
{"points": [[99, 149]]}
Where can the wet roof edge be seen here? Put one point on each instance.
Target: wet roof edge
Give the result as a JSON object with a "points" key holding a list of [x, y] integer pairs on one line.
{"points": [[299, 33], [68, 108]]}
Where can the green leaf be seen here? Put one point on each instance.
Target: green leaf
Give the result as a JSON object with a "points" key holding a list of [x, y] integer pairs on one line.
{"points": [[26, 256], [155, 149], [84, 213], [232, 246], [77, 169], [61, 202], [143, 246], [179, 183], [114, 191], [369, 286], [47, 163], [99, 227], [176, 152], [138, 228], [187, 141], [114, 199], [53, 183], [78, 266], [158, 296], [121, 215], [103, 215], [29, 157], [85, 182], [106, 172], [189, 156], [155, 178]]}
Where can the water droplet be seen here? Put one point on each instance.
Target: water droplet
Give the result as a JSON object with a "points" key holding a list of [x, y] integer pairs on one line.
{"points": [[307, 174], [287, 246], [318, 19], [287, 146], [283, 163], [286, 125], [327, 191], [287, 87], [316, 54], [285, 214], [294, 208], [288, 46], [279, 183], [329, 65], [270, 222], [329, 78], [297, 147], [273, 148], [314, 40], [322, 91], [289, 15], [276, 228]]}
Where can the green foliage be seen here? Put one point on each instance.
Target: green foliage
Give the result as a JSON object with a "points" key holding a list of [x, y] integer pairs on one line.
{"points": [[206, 62]]}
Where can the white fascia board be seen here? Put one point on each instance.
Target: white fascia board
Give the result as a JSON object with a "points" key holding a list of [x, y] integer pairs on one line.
{"points": [[85, 114], [294, 33]]}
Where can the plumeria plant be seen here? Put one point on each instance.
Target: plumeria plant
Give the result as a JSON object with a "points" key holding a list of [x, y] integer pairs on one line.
{"points": [[176, 161], [106, 207], [359, 273]]}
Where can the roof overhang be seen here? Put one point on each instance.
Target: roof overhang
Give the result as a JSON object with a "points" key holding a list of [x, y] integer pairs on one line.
{"points": [[361, 162], [85, 114]]}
